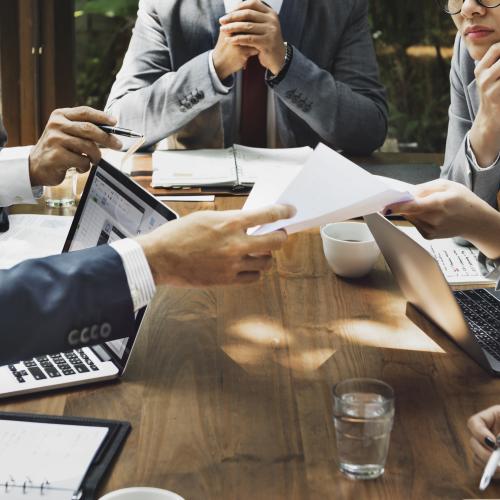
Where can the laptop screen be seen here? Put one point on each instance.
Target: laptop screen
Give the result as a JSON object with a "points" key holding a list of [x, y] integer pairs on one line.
{"points": [[113, 207]]}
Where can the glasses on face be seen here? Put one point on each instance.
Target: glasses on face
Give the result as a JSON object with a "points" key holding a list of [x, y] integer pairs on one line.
{"points": [[453, 7]]}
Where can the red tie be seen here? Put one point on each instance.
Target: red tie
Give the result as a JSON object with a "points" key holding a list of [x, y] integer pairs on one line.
{"points": [[253, 125]]}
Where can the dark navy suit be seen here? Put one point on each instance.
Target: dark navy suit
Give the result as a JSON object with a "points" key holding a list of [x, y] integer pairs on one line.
{"points": [[63, 302]]}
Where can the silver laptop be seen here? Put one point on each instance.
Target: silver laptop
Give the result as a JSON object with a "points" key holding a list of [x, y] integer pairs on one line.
{"points": [[112, 207], [470, 318]]}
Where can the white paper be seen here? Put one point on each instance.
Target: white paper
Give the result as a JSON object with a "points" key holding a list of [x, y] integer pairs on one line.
{"points": [[205, 167], [60, 454], [459, 264], [32, 236], [230, 5], [329, 188]]}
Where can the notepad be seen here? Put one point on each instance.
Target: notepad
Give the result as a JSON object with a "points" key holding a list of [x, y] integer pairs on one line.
{"points": [[458, 263], [234, 166], [45, 459]]}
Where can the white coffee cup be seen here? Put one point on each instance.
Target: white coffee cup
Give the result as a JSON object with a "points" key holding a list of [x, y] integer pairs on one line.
{"points": [[350, 249], [141, 493]]}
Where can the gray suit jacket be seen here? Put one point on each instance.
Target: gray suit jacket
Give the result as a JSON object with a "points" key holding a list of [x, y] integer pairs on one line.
{"points": [[331, 92], [463, 109]]}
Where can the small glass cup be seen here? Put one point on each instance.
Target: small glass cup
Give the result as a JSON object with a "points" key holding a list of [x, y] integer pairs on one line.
{"points": [[64, 194], [363, 411]]}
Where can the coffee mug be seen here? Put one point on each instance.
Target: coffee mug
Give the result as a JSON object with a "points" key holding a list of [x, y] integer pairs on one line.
{"points": [[141, 493], [350, 249]]}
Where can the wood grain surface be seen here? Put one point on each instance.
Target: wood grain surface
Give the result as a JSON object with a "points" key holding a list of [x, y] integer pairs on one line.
{"points": [[229, 389]]}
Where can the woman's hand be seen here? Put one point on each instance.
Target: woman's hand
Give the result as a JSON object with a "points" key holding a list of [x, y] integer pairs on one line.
{"points": [[442, 209], [484, 427], [485, 131]]}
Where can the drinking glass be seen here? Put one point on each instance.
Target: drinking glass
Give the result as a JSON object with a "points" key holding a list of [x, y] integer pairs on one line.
{"points": [[363, 410], [64, 194]]}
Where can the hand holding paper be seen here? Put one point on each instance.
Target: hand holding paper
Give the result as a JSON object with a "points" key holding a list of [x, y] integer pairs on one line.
{"points": [[329, 188]]}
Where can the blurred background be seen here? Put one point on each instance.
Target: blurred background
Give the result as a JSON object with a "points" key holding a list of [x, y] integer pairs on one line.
{"points": [[69, 51]]}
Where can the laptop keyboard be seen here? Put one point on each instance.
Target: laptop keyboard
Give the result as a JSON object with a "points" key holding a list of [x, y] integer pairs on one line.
{"points": [[482, 313], [53, 366]]}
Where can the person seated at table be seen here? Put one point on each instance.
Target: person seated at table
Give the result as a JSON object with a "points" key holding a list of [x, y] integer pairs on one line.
{"points": [[47, 305], [473, 143], [204, 79], [444, 209], [484, 428]]}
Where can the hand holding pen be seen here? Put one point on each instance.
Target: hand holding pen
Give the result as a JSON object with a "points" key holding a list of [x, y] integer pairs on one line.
{"points": [[485, 443]]}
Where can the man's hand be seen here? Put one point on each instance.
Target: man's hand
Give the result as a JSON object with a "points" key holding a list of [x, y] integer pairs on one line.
{"points": [[254, 24], [229, 58], [213, 248], [69, 140], [485, 131], [484, 428], [444, 209]]}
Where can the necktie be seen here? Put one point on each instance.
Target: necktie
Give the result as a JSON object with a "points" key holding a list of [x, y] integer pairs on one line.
{"points": [[253, 124]]}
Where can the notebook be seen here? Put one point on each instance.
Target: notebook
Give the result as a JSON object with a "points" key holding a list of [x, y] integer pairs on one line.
{"points": [[52, 456], [233, 167]]}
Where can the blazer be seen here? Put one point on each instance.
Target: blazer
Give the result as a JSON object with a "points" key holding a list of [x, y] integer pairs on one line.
{"points": [[331, 92], [464, 106], [63, 302]]}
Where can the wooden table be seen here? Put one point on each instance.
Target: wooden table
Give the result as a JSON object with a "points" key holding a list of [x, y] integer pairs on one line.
{"points": [[228, 390]]}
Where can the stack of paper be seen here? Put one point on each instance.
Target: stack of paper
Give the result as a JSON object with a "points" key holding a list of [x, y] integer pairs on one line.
{"points": [[329, 188]]}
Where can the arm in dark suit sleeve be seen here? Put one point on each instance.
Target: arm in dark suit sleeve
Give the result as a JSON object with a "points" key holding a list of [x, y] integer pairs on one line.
{"points": [[50, 305], [345, 104]]}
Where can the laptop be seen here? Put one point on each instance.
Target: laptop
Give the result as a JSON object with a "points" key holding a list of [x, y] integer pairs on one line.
{"points": [[470, 318], [112, 207]]}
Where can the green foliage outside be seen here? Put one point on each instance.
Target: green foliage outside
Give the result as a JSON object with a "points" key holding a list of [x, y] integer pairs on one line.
{"points": [[417, 81]]}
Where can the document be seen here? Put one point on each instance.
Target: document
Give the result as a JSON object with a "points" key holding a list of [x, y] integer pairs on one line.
{"points": [[458, 263], [33, 454], [328, 188], [31, 237], [237, 165]]}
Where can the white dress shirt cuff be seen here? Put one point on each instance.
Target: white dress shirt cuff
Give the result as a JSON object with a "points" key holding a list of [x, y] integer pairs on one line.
{"points": [[15, 184], [472, 157], [218, 85], [140, 280]]}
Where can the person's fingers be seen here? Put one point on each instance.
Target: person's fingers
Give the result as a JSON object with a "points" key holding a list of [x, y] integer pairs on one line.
{"points": [[266, 215], [481, 424], [244, 27], [245, 277], [491, 57], [266, 243], [479, 450], [250, 263], [255, 5], [256, 41], [428, 188], [89, 131], [83, 147], [243, 16], [87, 114], [401, 208]]}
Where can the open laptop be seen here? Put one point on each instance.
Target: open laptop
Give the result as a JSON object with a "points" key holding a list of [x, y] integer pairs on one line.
{"points": [[112, 207], [470, 318]]}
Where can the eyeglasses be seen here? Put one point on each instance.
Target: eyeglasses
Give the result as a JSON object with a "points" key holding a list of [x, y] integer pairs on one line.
{"points": [[453, 7]]}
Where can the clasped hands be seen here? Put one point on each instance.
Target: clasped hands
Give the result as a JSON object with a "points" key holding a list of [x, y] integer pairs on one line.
{"points": [[253, 29]]}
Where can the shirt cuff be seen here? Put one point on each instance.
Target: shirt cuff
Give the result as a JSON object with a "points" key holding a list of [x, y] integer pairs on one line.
{"points": [[218, 85], [472, 157], [15, 184], [140, 280]]}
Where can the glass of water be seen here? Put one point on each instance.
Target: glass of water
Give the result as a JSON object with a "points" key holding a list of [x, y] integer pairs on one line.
{"points": [[63, 195], [363, 410]]}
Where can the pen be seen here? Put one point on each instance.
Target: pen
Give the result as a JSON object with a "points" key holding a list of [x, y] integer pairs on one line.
{"points": [[491, 467], [119, 131]]}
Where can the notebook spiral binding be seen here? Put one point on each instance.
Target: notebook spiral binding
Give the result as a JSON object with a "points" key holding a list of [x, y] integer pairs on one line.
{"points": [[27, 486]]}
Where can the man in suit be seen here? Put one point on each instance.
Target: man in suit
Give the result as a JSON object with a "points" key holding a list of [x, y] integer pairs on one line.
{"points": [[86, 297], [203, 79]]}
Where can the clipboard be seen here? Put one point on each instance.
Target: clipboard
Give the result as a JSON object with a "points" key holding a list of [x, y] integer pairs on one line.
{"points": [[104, 456]]}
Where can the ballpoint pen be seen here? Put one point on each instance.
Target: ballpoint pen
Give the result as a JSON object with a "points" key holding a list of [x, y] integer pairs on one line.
{"points": [[491, 467], [119, 131]]}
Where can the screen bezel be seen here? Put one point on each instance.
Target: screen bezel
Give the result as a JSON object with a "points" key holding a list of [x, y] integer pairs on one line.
{"points": [[144, 196]]}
